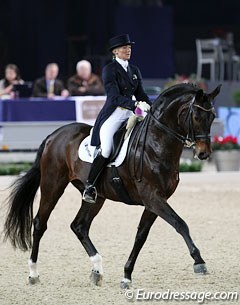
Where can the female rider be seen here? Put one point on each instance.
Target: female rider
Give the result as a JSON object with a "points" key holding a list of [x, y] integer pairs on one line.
{"points": [[122, 81]]}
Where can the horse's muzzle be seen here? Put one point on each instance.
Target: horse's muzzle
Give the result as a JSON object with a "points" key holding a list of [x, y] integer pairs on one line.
{"points": [[202, 150]]}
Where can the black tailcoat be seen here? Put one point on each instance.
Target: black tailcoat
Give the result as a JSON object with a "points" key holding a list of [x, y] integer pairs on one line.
{"points": [[120, 86]]}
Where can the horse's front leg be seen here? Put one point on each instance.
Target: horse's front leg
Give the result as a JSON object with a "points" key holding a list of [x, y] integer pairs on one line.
{"points": [[145, 224], [163, 209]]}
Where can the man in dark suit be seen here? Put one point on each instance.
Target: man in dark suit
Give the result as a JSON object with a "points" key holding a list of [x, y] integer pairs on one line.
{"points": [[121, 81], [49, 86]]}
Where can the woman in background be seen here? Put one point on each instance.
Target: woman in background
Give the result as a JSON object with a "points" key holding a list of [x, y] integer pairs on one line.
{"points": [[12, 77]]}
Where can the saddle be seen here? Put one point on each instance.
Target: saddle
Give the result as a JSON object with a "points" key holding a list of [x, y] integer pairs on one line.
{"points": [[116, 180], [122, 133], [118, 140], [120, 136], [87, 153]]}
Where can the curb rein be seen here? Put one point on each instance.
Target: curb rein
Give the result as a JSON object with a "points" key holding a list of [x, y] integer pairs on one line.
{"points": [[189, 140]]}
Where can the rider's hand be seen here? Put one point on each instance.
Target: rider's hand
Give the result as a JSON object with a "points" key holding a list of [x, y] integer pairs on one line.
{"points": [[143, 106]]}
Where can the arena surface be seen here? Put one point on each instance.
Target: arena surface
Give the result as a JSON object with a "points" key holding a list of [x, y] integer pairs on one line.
{"points": [[208, 201]]}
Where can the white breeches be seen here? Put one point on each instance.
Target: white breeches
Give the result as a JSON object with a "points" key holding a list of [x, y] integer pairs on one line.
{"points": [[109, 127]]}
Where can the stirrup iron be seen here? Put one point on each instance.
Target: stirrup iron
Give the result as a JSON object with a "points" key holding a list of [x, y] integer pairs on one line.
{"points": [[90, 194]]}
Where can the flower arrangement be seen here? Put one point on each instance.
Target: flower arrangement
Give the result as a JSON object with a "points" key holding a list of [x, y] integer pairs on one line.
{"points": [[225, 143]]}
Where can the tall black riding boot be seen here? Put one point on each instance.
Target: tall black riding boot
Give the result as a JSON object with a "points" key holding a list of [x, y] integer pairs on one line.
{"points": [[90, 192]]}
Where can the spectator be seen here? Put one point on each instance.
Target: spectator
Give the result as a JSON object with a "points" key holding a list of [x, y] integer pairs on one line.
{"points": [[11, 77], [49, 86], [84, 82]]}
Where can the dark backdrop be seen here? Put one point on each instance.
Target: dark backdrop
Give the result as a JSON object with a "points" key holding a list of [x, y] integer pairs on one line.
{"points": [[37, 35], [34, 33]]}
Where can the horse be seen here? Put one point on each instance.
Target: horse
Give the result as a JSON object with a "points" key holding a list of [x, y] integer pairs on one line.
{"points": [[181, 115]]}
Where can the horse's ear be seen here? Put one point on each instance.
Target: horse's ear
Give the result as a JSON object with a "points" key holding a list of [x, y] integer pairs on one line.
{"points": [[199, 94], [215, 92]]}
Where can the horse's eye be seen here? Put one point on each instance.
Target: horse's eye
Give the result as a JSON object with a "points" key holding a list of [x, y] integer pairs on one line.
{"points": [[197, 117]]}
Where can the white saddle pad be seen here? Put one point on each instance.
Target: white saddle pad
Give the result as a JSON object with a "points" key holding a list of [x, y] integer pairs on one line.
{"points": [[86, 151]]}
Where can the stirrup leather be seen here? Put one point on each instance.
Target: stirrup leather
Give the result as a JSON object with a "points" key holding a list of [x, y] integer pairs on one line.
{"points": [[90, 194]]}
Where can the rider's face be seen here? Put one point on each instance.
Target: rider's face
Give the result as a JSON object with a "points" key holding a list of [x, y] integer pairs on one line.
{"points": [[123, 52]]}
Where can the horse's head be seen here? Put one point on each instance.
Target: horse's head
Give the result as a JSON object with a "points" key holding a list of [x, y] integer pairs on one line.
{"points": [[196, 119], [185, 113]]}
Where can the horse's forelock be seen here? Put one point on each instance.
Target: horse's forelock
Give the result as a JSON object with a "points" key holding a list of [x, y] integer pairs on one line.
{"points": [[205, 101]]}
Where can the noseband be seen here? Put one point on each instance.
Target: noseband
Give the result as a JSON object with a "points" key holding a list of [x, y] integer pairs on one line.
{"points": [[190, 139]]}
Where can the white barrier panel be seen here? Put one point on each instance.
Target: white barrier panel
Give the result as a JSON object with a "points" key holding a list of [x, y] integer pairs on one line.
{"points": [[88, 107], [29, 135], [26, 135]]}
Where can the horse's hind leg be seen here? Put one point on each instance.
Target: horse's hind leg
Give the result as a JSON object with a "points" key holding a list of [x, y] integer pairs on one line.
{"points": [[145, 224], [164, 210], [80, 226], [52, 188]]}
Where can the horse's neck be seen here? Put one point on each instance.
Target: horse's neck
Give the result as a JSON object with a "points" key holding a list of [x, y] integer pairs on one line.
{"points": [[155, 146], [162, 142], [168, 141]]}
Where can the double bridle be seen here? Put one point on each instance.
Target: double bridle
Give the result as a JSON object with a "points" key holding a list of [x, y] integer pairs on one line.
{"points": [[190, 139]]}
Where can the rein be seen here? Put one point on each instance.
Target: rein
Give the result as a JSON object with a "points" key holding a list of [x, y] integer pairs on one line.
{"points": [[137, 136], [189, 140], [178, 136]]}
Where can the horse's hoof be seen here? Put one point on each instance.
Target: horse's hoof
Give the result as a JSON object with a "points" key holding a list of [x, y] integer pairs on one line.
{"points": [[96, 278], [33, 280], [200, 268], [125, 284]]}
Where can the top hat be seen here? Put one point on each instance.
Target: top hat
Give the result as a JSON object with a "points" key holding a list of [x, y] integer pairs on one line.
{"points": [[118, 41]]}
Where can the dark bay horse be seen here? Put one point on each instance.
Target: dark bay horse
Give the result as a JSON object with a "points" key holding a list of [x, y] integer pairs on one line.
{"points": [[182, 114]]}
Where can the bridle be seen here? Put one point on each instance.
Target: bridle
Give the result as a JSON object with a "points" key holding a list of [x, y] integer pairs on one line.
{"points": [[190, 139]]}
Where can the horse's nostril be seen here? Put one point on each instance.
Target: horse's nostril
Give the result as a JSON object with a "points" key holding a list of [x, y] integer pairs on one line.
{"points": [[203, 155]]}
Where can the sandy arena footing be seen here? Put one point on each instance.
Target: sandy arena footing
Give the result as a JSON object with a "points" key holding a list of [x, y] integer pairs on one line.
{"points": [[208, 202]]}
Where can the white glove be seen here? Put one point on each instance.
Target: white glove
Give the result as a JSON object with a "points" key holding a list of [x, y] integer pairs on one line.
{"points": [[143, 106]]}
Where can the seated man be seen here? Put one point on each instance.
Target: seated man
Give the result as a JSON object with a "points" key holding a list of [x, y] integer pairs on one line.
{"points": [[49, 86], [84, 82]]}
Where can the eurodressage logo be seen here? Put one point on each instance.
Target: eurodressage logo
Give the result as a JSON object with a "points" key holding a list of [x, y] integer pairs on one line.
{"points": [[199, 297]]}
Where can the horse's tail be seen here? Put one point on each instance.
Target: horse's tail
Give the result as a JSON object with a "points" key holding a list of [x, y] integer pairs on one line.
{"points": [[18, 224]]}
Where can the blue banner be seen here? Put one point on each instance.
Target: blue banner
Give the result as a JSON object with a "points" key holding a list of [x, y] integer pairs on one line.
{"points": [[231, 119]]}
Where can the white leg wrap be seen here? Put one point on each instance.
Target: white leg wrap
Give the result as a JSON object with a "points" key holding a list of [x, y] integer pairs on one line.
{"points": [[97, 263], [125, 283], [33, 269], [124, 280]]}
